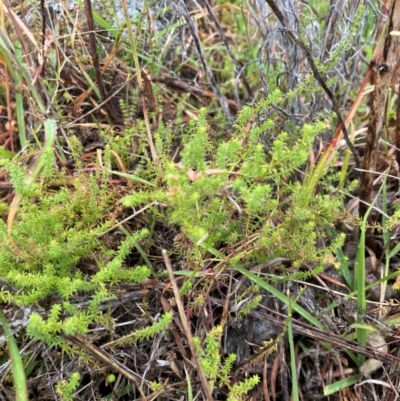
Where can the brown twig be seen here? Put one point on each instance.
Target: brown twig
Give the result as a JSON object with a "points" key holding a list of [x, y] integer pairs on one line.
{"points": [[186, 326], [104, 357]]}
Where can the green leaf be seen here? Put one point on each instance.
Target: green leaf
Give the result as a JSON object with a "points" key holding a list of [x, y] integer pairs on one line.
{"points": [[132, 177], [341, 384]]}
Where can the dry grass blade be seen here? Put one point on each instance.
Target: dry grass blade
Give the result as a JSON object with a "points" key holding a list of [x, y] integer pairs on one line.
{"points": [[104, 357], [337, 341], [186, 326]]}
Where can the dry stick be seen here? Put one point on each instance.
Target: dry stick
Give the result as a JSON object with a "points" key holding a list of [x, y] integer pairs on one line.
{"points": [[95, 60], [210, 76], [283, 371], [317, 75], [377, 118], [186, 326], [104, 357]]}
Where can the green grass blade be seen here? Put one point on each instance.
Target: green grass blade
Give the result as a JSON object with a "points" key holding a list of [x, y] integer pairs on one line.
{"points": [[353, 294], [341, 384], [394, 251], [293, 369], [189, 386], [276, 293], [263, 284], [21, 389], [50, 137], [359, 281], [132, 177], [385, 236]]}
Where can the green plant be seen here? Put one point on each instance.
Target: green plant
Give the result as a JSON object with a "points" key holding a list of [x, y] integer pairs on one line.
{"points": [[52, 232], [218, 372], [147, 332], [235, 204], [66, 388], [231, 196]]}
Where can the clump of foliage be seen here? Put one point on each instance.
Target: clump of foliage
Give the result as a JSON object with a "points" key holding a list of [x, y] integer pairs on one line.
{"points": [[219, 372], [65, 389], [228, 197], [55, 229], [234, 195], [237, 198]]}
